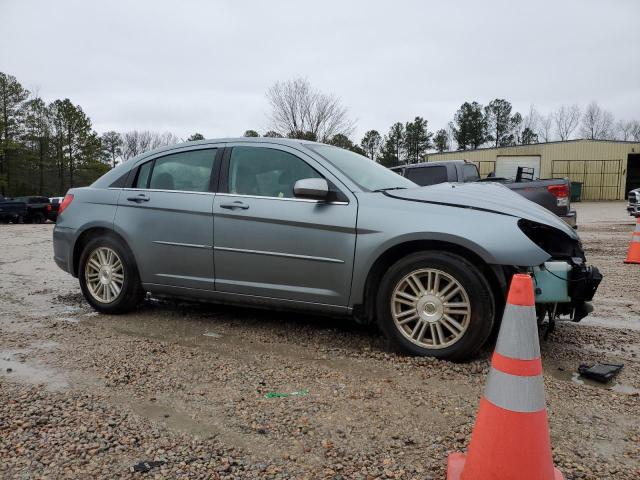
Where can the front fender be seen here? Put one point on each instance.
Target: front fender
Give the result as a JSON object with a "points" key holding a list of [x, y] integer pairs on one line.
{"points": [[385, 223]]}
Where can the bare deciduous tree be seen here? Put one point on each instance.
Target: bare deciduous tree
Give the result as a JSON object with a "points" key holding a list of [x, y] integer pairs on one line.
{"points": [[597, 124], [545, 127], [137, 142], [623, 130], [635, 130], [297, 107], [566, 119], [162, 139], [451, 137], [531, 120]]}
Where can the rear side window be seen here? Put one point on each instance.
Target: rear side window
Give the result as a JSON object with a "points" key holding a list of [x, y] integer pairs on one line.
{"points": [[188, 171], [424, 176], [470, 173]]}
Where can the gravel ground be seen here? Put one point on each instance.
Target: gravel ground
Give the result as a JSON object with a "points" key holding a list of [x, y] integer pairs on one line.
{"points": [[84, 395]]}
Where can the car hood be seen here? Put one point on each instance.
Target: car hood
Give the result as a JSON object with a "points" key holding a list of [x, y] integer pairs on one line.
{"points": [[488, 197]]}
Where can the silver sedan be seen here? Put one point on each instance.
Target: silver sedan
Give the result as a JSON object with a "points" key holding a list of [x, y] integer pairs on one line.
{"points": [[295, 224]]}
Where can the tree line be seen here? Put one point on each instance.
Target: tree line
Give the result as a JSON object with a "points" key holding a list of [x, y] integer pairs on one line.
{"points": [[298, 111], [49, 147]]}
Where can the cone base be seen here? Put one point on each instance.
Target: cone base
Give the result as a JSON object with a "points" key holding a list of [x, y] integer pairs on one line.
{"points": [[633, 255], [455, 466]]}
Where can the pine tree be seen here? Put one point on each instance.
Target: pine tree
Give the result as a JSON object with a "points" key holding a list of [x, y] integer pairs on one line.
{"points": [[441, 140], [501, 125], [111, 146], [371, 143], [392, 147], [12, 97], [417, 139], [470, 126]]}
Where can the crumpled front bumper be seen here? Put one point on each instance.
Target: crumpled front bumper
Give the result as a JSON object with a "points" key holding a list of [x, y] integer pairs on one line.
{"points": [[583, 283], [568, 292]]}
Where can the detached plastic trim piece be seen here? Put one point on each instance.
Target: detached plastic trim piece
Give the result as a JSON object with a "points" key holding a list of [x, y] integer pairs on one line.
{"points": [[600, 372]]}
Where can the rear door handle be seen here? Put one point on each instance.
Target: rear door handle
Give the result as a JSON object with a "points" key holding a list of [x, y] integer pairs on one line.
{"points": [[139, 198], [234, 205]]}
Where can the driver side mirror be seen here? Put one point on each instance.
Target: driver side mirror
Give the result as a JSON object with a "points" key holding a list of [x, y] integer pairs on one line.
{"points": [[312, 188]]}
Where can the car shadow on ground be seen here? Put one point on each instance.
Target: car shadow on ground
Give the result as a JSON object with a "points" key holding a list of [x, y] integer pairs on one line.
{"points": [[188, 319]]}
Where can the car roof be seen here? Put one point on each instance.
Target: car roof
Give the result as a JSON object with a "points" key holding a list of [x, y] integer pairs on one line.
{"points": [[123, 167], [274, 140]]}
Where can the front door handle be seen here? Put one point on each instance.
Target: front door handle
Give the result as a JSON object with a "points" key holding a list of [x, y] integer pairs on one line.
{"points": [[234, 205], [139, 198]]}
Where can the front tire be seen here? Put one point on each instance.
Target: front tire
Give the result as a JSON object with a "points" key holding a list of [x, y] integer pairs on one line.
{"points": [[435, 304], [108, 276]]}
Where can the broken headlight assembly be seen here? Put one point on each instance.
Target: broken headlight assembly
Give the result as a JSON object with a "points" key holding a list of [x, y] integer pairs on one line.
{"points": [[582, 280]]}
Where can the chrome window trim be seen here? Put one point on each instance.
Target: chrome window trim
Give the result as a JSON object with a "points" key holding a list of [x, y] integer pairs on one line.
{"points": [[307, 200], [161, 190]]}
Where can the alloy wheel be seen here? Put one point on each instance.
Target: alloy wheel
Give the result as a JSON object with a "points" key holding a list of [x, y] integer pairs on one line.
{"points": [[430, 308], [104, 275]]}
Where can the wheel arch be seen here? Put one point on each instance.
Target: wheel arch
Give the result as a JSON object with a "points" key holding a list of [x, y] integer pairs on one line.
{"points": [[495, 275], [89, 234]]}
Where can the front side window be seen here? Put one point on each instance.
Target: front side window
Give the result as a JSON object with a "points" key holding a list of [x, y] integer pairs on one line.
{"points": [[424, 176], [186, 171], [266, 172]]}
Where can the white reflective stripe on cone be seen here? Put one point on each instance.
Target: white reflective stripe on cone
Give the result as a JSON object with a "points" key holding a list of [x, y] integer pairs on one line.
{"points": [[635, 238], [515, 393], [518, 337]]}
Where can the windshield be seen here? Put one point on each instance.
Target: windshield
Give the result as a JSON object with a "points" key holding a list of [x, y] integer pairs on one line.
{"points": [[363, 171]]}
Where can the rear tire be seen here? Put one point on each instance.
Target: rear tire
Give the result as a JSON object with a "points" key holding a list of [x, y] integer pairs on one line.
{"points": [[109, 277], [435, 304], [39, 218]]}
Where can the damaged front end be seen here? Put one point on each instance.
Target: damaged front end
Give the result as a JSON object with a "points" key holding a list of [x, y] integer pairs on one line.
{"points": [[565, 284]]}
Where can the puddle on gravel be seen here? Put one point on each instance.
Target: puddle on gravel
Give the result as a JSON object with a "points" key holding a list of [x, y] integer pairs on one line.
{"points": [[173, 419], [212, 335], [574, 377], [13, 365]]}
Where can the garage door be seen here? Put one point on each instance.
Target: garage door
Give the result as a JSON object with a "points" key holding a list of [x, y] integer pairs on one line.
{"points": [[507, 166]]}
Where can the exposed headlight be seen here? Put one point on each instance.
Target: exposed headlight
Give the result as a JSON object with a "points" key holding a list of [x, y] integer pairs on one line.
{"points": [[553, 241]]}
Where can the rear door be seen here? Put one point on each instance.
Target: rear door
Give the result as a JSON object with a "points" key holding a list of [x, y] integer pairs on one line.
{"points": [[166, 218], [269, 243]]}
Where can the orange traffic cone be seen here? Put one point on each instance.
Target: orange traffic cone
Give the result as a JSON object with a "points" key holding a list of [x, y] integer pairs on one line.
{"points": [[633, 255], [510, 440]]}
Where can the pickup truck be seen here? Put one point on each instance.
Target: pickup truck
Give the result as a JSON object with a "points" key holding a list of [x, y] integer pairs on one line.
{"points": [[553, 193], [38, 209], [12, 210], [54, 207]]}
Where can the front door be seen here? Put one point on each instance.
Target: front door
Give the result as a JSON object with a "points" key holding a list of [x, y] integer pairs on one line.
{"points": [[166, 218], [270, 244]]}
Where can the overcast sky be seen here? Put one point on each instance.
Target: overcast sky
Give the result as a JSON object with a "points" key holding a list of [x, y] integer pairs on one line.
{"points": [[187, 66]]}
